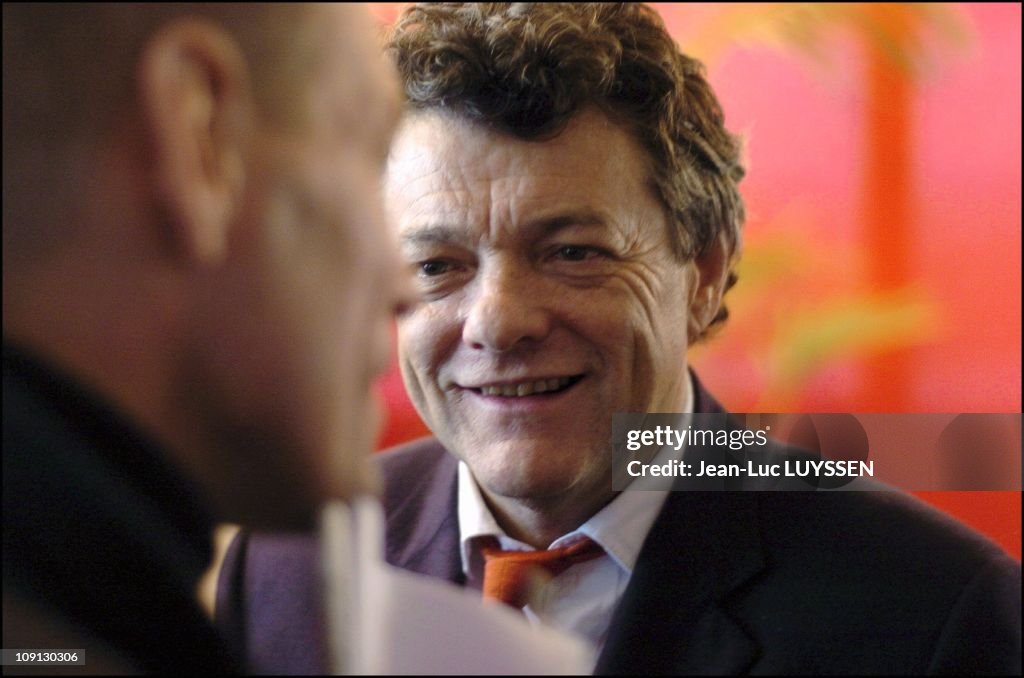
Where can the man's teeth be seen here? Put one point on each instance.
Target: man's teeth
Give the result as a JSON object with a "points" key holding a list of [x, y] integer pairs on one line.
{"points": [[526, 388]]}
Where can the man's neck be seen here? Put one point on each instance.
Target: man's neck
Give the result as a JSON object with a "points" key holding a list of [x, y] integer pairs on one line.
{"points": [[540, 523]]}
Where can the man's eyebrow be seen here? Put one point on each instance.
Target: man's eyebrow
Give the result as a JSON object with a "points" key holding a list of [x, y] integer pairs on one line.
{"points": [[548, 226], [542, 227]]}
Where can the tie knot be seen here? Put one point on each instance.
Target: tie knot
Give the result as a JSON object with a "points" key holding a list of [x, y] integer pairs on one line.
{"points": [[508, 575]]}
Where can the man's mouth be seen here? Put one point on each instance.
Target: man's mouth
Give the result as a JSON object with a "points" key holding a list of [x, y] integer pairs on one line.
{"points": [[529, 387]]}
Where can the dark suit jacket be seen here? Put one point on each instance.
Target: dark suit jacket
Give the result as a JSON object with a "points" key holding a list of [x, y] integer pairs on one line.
{"points": [[726, 582], [104, 540]]}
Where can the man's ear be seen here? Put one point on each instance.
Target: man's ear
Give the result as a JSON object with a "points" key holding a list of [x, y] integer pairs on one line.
{"points": [[712, 276], [196, 100]]}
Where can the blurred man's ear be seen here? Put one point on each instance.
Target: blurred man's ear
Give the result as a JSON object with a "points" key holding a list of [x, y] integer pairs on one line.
{"points": [[195, 97], [712, 270]]}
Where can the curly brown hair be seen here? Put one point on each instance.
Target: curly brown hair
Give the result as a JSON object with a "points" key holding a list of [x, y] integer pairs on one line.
{"points": [[527, 68]]}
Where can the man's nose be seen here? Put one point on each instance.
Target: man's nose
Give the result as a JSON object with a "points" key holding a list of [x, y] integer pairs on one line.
{"points": [[506, 307]]}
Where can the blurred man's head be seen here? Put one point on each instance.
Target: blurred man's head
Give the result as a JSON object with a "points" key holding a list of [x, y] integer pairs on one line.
{"points": [[193, 225], [567, 193]]}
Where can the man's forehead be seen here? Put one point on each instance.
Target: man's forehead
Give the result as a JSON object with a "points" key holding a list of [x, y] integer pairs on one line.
{"points": [[437, 151], [443, 170]]}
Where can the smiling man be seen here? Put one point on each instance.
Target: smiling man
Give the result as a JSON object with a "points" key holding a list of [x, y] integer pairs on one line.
{"points": [[566, 193], [552, 298]]}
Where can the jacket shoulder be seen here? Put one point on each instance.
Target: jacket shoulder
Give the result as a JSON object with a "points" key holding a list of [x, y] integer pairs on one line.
{"points": [[940, 596]]}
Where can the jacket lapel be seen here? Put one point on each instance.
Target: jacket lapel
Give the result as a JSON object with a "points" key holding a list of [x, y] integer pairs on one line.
{"points": [[420, 501], [673, 617]]}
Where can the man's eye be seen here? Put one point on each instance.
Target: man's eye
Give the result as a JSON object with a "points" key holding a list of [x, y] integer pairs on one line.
{"points": [[575, 253], [430, 269]]}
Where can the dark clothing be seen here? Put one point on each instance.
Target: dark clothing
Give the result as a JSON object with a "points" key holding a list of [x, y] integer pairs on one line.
{"points": [[726, 583], [99, 528]]}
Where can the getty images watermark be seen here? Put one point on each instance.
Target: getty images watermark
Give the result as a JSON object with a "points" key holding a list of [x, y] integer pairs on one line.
{"points": [[816, 451]]}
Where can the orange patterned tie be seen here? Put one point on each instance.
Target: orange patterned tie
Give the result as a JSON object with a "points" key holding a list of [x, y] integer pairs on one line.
{"points": [[509, 574]]}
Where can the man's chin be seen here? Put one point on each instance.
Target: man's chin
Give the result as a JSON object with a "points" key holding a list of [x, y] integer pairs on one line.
{"points": [[528, 488]]}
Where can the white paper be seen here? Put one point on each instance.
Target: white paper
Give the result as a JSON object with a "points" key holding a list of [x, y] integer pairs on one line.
{"points": [[382, 620]]}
